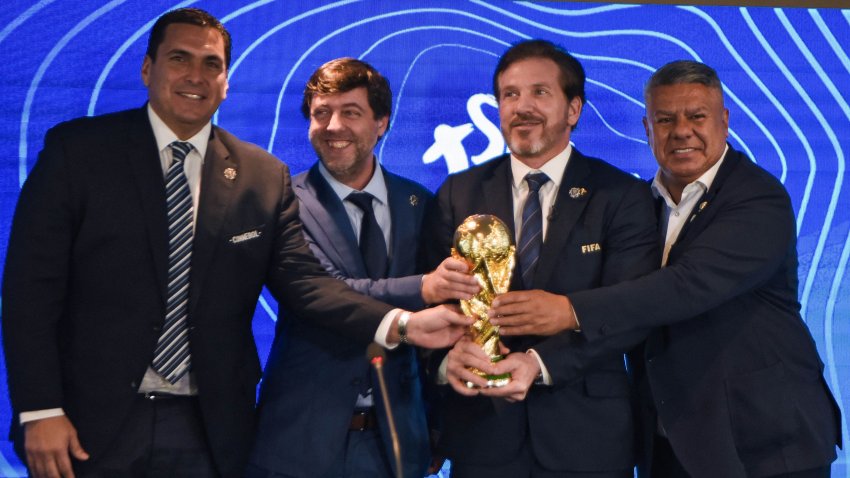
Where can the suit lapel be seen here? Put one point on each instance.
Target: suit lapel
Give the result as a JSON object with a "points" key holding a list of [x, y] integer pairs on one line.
{"points": [[494, 200], [142, 158], [332, 219], [217, 193], [703, 210], [569, 204]]}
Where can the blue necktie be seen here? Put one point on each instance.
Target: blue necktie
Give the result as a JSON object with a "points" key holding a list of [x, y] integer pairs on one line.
{"points": [[171, 358], [373, 247], [531, 234]]}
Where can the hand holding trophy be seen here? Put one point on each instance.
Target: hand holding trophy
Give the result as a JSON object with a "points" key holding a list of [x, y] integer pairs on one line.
{"points": [[485, 243]]}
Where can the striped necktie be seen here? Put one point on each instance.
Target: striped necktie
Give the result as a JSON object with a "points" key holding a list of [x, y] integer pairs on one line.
{"points": [[531, 234], [171, 358]]}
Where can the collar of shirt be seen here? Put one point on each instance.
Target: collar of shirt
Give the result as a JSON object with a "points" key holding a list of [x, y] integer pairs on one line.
{"points": [[554, 169], [164, 137], [674, 216], [377, 187]]}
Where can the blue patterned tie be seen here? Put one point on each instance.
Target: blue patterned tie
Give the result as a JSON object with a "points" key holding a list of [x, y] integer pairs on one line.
{"points": [[373, 247], [171, 358], [531, 234]]}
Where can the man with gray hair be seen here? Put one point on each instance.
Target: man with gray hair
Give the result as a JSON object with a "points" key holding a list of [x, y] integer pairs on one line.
{"points": [[730, 382]]}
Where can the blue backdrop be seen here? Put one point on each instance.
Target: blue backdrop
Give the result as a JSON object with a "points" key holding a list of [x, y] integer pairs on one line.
{"points": [[785, 74]]}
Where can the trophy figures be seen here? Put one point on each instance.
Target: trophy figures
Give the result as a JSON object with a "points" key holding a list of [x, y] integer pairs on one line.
{"points": [[485, 243]]}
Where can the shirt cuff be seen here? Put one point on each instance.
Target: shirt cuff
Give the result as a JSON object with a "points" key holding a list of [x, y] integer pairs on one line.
{"points": [[546, 378], [384, 329], [34, 415], [442, 376]]}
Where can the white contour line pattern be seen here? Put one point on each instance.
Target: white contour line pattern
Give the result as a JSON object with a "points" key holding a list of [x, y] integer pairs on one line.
{"points": [[42, 69], [836, 191], [262, 38], [766, 91]]}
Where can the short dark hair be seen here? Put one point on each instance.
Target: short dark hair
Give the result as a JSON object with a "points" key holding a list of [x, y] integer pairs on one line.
{"points": [[191, 16], [683, 72], [345, 74], [572, 73]]}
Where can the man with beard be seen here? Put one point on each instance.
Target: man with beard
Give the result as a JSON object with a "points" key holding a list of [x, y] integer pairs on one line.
{"points": [[579, 223], [730, 380], [318, 413]]}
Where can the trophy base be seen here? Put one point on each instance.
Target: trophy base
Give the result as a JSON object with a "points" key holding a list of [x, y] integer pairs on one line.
{"points": [[493, 381]]}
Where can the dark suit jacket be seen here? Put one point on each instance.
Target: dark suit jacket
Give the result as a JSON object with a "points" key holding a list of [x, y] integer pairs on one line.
{"points": [[86, 272], [733, 370], [584, 421], [312, 379]]}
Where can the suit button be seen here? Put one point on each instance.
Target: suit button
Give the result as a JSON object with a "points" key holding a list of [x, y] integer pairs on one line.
{"points": [[604, 329], [157, 328], [355, 382], [134, 385]]}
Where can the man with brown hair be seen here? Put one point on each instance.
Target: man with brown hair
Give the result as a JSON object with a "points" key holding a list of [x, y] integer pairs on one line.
{"points": [[139, 247], [320, 412]]}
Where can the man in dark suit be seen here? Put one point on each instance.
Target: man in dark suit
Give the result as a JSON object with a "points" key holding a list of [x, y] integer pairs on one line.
{"points": [[731, 383], [320, 413], [568, 410], [139, 247]]}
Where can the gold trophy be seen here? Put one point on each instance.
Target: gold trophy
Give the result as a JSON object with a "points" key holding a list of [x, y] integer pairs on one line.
{"points": [[485, 243]]}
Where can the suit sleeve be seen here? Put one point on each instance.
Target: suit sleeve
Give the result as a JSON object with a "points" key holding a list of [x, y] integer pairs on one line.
{"points": [[35, 282], [741, 248], [631, 242], [303, 286], [403, 292]]}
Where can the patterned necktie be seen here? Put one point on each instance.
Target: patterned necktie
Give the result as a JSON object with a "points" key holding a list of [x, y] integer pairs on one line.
{"points": [[531, 234], [171, 358], [373, 247]]}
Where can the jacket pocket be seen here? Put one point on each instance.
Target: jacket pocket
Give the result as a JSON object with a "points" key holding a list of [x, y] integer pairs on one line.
{"points": [[761, 409]]}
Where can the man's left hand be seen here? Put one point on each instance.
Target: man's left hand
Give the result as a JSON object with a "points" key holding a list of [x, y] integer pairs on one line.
{"points": [[532, 312], [524, 369]]}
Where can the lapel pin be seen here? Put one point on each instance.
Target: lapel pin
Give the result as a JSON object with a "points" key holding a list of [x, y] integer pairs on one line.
{"points": [[703, 205], [576, 193], [414, 200], [230, 174]]}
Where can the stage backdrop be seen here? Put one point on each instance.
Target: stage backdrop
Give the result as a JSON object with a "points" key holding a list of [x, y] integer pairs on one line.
{"points": [[785, 71]]}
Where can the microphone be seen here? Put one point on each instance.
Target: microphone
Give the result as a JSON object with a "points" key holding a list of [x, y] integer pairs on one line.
{"points": [[376, 355]]}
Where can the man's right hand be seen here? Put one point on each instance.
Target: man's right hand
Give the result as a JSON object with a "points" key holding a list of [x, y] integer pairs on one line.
{"points": [[48, 442]]}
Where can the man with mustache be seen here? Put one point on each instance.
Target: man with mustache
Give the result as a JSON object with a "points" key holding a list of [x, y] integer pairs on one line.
{"points": [[730, 380], [320, 411], [579, 223]]}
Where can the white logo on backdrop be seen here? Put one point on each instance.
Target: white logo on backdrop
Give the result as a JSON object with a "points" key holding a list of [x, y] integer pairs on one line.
{"points": [[448, 140]]}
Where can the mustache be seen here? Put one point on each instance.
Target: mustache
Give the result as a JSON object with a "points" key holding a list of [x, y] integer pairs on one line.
{"points": [[525, 117]]}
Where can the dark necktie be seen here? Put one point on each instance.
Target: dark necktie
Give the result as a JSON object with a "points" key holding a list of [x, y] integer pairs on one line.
{"points": [[531, 234], [171, 358], [373, 247]]}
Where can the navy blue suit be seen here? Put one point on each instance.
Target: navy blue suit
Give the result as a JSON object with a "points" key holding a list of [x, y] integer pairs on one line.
{"points": [[730, 367], [313, 377], [607, 234]]}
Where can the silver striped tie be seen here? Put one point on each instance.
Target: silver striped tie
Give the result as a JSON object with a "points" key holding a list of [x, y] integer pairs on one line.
{"points": [[171, 358]]}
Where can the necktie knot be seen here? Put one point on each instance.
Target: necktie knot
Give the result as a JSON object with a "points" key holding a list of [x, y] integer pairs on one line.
{"points": [[179, 150], [536, 181], [361, 199]]}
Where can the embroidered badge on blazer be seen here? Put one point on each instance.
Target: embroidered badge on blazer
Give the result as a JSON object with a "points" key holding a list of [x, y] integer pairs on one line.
{"points": [[591, 248], [245, 236]]}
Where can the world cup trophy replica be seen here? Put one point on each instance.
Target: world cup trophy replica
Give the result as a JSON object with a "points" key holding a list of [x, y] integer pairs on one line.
{"points": [[485, 243]]}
